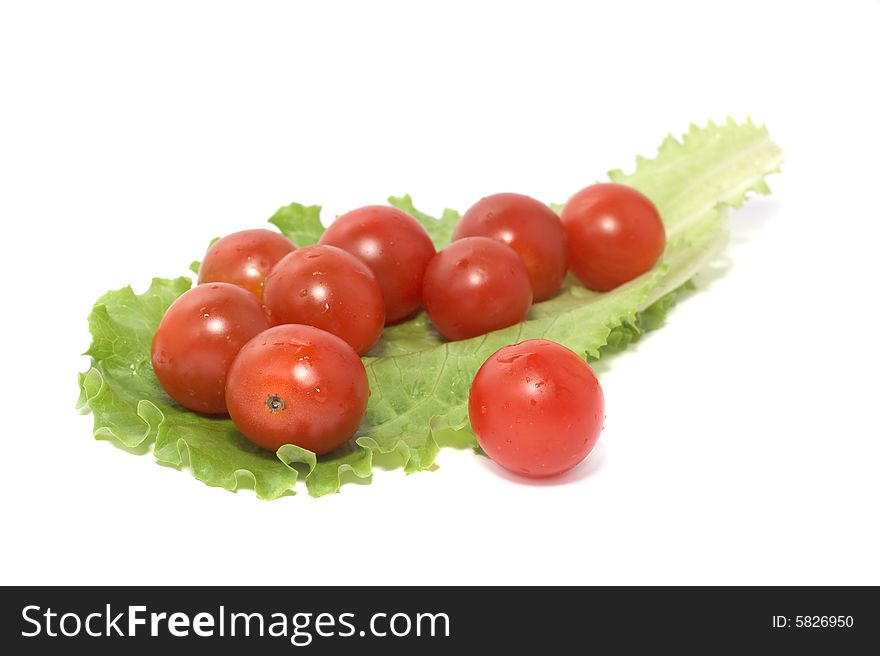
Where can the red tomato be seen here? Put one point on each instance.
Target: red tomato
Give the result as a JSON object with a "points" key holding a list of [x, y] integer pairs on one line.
{"points": [[474, 286], [199, 337], [536, 408], [326, 287], [614, 233], [396, 248], [300, 385], [530, 228], [244, 258]]}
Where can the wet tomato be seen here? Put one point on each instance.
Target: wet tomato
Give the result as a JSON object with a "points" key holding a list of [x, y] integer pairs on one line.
{"points": [[614, 233], [530, 228], [536, 408], [396, 248], [244, 258], [199, 337], [297, 384], [474, 286], [331, 289]]}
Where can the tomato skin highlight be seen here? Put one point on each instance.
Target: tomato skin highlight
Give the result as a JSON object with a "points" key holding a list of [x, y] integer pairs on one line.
{"points": [[396, 248], [199, 337], [614, 233], [536, 408], [326, 287], [296, 384], [530, 228], [244, 258], [474, 286]]}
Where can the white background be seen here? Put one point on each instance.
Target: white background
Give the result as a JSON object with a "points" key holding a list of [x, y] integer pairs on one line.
{"points": [[741, 444]]}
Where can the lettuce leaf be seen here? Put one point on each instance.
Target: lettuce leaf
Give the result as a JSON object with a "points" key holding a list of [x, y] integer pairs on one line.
{"points": [[301, 223], [440, 229], [419, 382]]}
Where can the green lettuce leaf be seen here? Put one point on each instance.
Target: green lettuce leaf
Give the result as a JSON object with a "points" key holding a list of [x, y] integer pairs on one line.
{"points": [[419, 382], [301, 223], [440, 229]]}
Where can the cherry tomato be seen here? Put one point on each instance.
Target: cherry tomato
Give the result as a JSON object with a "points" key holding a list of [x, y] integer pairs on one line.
{"points": [[474, 286], [244, 258], [199, 337], [614, 233], [326, 287], [536, 408], [530, 228], [396, 248], [300, 385]]}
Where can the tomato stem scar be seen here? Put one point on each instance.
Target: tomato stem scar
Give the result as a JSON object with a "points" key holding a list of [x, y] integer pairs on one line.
{"points": [[275, 403]]}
